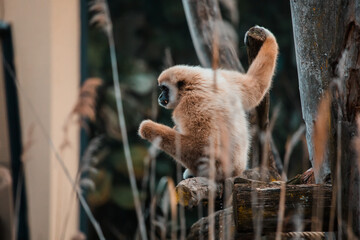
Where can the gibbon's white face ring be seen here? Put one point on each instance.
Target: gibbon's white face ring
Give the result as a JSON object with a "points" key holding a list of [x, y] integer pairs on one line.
{"points": [[172, 96]]}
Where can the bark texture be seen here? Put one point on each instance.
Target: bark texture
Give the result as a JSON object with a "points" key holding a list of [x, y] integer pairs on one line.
{"points": [[211, 34], [223, 222], [191, 192], [194, 191], [255, 200], [327, 42]]}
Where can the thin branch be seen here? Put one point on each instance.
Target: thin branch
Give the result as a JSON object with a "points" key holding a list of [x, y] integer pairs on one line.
{"points": [[295, 138]]}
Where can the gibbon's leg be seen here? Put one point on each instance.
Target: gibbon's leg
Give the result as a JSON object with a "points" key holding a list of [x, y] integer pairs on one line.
{"points": [[189, 148], [256, 82]]}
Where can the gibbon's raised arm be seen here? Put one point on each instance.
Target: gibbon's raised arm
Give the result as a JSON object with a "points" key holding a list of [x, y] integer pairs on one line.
{"points": [[256, 82]]}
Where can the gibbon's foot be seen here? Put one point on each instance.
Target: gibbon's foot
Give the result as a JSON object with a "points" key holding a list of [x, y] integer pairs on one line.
{"points": [[266, 31], [188, 174]]}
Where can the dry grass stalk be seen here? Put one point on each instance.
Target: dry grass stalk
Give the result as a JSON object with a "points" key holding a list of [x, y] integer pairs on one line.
{"points": [[291, 143], [179, 177], [212, 170], [265, 138], [211, 206], [356, 141], [173, 205], [148, 170], [164, 196], [289, 147], [321, 132], [86, 104], [337, 94], [102, 19]]}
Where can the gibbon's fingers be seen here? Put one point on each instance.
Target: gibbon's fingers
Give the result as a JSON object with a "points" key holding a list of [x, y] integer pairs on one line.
{"points": [[150, 131]]}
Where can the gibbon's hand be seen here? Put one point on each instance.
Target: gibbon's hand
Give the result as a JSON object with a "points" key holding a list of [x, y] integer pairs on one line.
{"points": [[266, 31], [146, 130]]}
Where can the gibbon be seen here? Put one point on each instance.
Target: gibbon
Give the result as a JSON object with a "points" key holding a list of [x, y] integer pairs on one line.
{"points": [[210, 113]]}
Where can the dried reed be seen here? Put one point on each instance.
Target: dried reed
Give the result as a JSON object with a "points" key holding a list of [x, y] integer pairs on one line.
{"points": [[103, 20], [320, 135], [291, 143]]}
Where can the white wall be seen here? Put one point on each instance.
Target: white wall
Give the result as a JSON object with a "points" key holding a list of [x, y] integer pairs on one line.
{"points": [[47, 60]]}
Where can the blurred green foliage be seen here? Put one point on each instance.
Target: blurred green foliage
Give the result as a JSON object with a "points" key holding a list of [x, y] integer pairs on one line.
{"points": [[143, 30]]}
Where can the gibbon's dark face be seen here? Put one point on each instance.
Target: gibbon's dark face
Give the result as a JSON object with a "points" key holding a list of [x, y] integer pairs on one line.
{"points": [[164, 96]]}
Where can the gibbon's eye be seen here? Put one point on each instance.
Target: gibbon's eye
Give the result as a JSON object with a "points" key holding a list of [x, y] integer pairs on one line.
{"points": [[180, 84], [164, 88]]}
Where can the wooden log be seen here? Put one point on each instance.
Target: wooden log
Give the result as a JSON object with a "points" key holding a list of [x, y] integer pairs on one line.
{"points": [[299, 205], [259, 200], [192, 191], [224, 226]]}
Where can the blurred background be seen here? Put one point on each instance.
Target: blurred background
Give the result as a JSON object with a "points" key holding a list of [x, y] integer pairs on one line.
{"points": [[50, 49]]}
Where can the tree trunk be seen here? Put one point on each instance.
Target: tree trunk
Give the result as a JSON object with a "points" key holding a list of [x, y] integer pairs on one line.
{"points": [[208, 30], [327, 42]]}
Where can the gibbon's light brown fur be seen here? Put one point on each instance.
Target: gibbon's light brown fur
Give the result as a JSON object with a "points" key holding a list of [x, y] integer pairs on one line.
{"points": [[210, 113]]}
